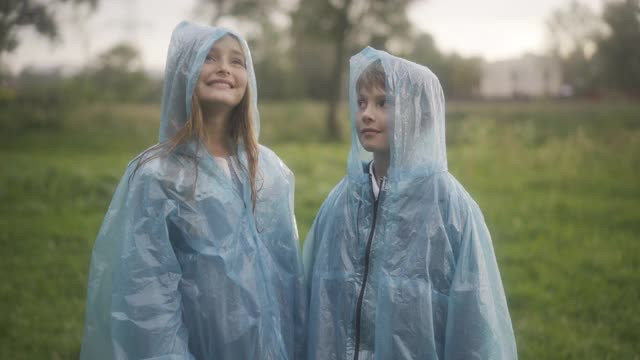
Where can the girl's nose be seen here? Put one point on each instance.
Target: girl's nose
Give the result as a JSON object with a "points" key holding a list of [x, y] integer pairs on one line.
{"points": [[223, 67]]}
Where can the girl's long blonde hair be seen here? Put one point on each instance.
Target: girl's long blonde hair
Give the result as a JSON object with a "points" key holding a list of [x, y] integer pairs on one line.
{"points": [[240, 130]]}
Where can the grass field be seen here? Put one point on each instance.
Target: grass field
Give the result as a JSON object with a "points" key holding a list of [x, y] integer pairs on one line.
{"points": [[559, 184]]}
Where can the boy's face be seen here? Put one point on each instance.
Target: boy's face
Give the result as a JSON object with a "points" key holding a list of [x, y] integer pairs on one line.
{"points": [[371, 120]]}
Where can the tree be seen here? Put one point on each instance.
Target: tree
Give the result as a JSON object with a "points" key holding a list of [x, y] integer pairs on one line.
{"points": [[273, 64], [572, 32], [426, 52], [619, 52], [216, 10], [116, 75], [461, 76], [574, 29], [17, 14], [344, 25]]}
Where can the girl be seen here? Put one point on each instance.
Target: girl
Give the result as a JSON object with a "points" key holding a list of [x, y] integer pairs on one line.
{"points": [[198, 255]]}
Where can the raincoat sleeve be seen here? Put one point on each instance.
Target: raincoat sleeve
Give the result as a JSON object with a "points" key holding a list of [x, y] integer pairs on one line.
{"points": [[133, 303], [308, 255], [478, 321], [310, 243], [301, 303]]}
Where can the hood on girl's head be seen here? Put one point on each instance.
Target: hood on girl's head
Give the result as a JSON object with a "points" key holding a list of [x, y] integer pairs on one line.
{"points": [[189, 46]]}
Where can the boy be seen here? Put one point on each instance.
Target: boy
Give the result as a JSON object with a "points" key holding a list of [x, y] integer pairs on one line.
{"points": [[399, 262]]}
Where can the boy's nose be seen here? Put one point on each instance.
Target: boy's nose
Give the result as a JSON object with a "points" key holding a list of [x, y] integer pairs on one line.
{"points": [[366, 115]]}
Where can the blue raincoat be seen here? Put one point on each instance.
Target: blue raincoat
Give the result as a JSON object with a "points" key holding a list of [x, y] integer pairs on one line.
{"points": [[411, 275], [182, 268]]}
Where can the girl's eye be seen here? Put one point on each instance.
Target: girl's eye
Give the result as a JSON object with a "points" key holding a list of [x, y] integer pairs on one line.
{"points": [[361, 104], [209, 58], [238, 62], [382, 103]]}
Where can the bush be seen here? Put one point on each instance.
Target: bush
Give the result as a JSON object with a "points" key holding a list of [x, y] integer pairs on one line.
{"points": [[32, 109]]}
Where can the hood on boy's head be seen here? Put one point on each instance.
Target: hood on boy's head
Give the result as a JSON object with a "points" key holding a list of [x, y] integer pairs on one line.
{"points": [[189, 46], [415, 102]]}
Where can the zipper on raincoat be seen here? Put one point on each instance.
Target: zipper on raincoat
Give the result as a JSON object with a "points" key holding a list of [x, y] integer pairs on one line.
{"points": [[367, 258]]}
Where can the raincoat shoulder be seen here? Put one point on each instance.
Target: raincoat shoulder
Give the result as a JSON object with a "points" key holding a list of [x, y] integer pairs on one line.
{"points": [[270, 160]]}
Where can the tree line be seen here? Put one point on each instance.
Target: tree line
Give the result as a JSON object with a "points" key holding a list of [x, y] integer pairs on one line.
{"points": [[301, 49]]}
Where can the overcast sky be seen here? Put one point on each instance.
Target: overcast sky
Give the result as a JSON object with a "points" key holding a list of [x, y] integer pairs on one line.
{"points": [[493, 29]]}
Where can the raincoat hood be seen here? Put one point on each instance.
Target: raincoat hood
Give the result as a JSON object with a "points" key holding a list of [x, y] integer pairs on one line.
{"points": [[416, 110], [189, 46]]}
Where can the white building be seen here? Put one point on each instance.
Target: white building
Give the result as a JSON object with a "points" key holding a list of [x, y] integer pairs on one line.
{"points": [[529, 76]]}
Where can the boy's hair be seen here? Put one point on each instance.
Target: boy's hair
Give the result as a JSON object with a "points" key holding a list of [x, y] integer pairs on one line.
{"points": [[371, 77]]}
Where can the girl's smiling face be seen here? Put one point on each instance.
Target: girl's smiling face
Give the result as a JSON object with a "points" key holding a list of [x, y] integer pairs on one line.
{"points": [[223, 76]]}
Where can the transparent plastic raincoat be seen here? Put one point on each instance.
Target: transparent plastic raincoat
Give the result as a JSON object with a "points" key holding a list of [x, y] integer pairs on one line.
{"points": [[411, 275], [182, 268]]}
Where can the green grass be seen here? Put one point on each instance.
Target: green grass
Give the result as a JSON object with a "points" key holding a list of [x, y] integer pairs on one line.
{"points": [[564, 218], [558, 184]]}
